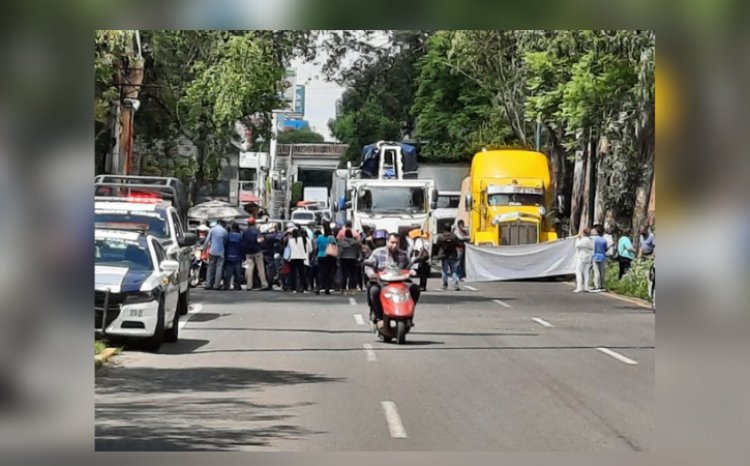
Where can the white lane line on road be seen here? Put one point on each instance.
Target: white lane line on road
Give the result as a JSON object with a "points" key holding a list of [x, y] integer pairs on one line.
{"points": [[358, 319], [541, 322], [470, 288], [369, 352], [196, 308], [617, 356], [352, 301], [502, 303], [393, 419]]}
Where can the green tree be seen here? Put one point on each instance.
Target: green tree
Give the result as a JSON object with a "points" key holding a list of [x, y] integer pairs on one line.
{"points": [[453, 114], [302, 136], [206, 81], [377, 104]]}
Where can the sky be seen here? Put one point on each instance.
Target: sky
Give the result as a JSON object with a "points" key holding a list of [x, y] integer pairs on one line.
{"points": [[320, 96]]}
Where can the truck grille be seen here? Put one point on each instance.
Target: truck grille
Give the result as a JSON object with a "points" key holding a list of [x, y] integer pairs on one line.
{"points": [[518, 233], [113, 308]]}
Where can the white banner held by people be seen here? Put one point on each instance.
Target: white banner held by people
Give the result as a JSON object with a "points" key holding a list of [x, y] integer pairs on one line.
{"points": [[485, 264]]}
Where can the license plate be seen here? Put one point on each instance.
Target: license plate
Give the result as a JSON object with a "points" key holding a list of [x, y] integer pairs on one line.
{"points": [[136, 313]]}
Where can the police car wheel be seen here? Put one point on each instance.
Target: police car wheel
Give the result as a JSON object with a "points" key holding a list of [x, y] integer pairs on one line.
{"points": [[172, 334], [183, 302], [153, 344]]}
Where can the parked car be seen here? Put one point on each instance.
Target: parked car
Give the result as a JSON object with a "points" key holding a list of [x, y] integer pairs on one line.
{"points": [[161, 221], [136, 288], [303, 217]]}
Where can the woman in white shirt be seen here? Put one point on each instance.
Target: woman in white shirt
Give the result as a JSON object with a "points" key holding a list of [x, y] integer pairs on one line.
{"points": [[584, 258], [300, 248]]}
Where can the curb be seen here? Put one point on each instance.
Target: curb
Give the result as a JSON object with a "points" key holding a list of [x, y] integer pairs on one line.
{"points": [[637, 301], [104, 356], [628, 299]]}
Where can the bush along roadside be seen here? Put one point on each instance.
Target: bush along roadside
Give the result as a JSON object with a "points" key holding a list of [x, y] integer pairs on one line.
{"points": [[634, 283], [103, 353]]}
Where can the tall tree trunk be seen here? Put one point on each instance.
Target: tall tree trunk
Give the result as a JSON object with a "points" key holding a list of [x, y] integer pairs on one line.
{"points": [[199, 171], [576, 197], [652, 198], [601, 181], [640, 208], [587, 191], [646, 149]]}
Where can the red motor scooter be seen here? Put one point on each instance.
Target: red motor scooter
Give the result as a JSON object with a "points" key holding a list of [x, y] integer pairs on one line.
{"points": [[398, 306]]}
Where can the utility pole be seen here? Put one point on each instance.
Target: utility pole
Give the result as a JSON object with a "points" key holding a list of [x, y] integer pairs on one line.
{"points": [[128, 79]]}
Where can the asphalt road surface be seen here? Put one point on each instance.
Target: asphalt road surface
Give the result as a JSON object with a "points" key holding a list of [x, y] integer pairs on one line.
{"points": [[516, 366]]}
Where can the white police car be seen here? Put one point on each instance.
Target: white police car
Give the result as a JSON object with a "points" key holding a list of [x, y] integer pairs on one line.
{"points": [[158, 219], [136, 288]]}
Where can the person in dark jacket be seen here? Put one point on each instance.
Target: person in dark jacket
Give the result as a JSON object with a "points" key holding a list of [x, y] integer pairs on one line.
{"points": [[448, 252], [233, 258], [326, 263], [272, 250], [350, 251], [251, 247]]}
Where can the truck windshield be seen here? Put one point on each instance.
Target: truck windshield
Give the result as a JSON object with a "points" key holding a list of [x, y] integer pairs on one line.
{"points": [[448, 202], [392, 200], [515, 199]]}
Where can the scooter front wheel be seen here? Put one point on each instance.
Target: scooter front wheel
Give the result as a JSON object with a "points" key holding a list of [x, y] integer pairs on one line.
{"points": [[401, 332]]}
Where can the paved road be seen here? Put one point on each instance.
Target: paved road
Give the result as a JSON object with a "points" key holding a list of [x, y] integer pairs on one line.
{"points": [[510, 366]]}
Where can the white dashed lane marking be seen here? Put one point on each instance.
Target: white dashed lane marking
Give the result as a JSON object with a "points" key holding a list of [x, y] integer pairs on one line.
{"points": [[395, 426], [358, 319], [369, 353], [352, 301], [617, 356], [502, 303], [541, 322]]}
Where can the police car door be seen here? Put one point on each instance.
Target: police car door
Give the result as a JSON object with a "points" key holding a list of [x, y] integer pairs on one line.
{"points": [[182, 254], [169, 281]]}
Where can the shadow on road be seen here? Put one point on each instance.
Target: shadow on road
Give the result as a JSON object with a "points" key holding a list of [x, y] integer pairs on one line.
{"points": [[149, 409], [366, 330], [415, 347], [278, 297], [206, 316]]}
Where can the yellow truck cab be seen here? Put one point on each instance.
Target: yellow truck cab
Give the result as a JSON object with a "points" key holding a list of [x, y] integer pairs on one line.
{"points": [[508, 198]]}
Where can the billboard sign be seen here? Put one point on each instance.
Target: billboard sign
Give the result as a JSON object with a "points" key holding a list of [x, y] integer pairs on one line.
{"points": [[299, 100], [289, 86]]}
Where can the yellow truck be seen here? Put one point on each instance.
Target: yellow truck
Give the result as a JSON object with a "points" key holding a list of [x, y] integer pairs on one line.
{"points": [[507, 199]]}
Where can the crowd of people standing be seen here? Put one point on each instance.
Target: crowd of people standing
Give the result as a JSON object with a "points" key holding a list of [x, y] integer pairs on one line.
{"points": [[596, 246], [323, 260]]}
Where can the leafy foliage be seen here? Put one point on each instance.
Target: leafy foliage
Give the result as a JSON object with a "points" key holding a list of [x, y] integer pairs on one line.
{"points": [[380, 94], [302, 136], [634, 283]]}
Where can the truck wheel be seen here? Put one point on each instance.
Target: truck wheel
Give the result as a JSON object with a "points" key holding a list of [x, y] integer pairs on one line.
{"points": [[153, 344], [401, 332]]}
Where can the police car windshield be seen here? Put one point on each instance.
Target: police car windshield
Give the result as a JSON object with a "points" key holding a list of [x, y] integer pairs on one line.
{"points": [[122, 253], [152, 222]]}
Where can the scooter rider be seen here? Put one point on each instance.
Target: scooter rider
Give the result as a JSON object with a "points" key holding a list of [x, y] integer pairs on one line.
{"points": [[386, 256]]}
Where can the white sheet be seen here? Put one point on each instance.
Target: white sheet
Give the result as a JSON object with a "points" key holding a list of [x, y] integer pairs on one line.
{"points": [[484, 264]]}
